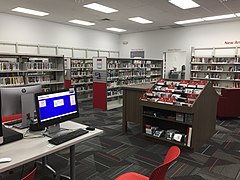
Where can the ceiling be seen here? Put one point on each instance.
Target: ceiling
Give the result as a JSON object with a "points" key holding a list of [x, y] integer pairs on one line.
{"points": [[162, 13]]}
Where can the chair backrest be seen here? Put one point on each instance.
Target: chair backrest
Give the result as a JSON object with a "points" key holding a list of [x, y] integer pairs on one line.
{"points": [[30, 176], [159, 172]]}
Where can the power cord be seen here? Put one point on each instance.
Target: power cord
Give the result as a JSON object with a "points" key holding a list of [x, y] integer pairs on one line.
{"points": [[30, 134]]}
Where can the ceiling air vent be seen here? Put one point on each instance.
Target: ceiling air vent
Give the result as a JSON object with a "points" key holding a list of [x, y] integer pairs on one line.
{"points": [[105, 19]]}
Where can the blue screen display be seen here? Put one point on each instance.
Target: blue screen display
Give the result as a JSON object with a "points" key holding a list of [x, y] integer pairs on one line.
{"points": [[56, 105]]}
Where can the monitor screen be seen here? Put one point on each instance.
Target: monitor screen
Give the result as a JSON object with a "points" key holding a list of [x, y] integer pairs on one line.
{"points": [[55, 107], [11, 98]]}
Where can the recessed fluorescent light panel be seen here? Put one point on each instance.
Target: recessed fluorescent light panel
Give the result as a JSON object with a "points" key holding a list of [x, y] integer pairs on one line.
{"points": [[227, 16], [101, 8], [189, 21], [85, 23], [140, 20], [184, 4], [238, 14], [116, 29], [30, 11]]}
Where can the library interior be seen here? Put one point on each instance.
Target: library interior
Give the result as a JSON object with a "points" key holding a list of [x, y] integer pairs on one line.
{"points": [[119, 90]]}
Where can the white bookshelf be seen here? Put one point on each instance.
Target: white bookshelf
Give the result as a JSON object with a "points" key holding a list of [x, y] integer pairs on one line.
{"points": [[82, 77], [26, 69], [114, 73], [220, 65]]}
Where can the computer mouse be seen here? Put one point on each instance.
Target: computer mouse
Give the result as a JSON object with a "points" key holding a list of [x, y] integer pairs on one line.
{"points": [[6, 159], [90, 128]]}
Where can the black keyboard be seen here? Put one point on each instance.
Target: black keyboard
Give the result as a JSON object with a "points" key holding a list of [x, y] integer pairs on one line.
{"points": [[66, 137], [10, 123]]}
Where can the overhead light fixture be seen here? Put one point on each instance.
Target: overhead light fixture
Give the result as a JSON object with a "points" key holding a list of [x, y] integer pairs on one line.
{"points": [[184, 4], [101, 8], [237, 14], [140, 20], [116, 29], [30, 11], [189, 21], [81, 22], [227, 16]]}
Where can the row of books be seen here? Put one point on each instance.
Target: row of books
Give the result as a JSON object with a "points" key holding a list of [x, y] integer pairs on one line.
{"points": [[217, 76], [81, 64], [169, 115], [170, 134], [38, 79], [183, 83], [16, 80], [183, 93], [235, 68], [216, 59], [9, 66], [39, 65]]}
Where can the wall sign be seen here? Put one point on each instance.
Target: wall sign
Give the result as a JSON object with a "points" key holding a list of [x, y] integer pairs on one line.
{"points": [[137, 54], [231, 42]]}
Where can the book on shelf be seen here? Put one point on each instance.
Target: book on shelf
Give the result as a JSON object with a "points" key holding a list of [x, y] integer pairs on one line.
{"points": [[189, 136], [188, 118], [16, 80], [9, 66], [180, 117]]}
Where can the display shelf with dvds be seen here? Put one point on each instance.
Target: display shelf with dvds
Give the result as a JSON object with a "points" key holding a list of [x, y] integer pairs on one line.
{"points": [[82, 77], [179, 112], [27, 69], [111, 74], [220, 65]]}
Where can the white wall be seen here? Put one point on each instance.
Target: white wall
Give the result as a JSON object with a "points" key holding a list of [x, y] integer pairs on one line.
{"points": [[154, 43], [35, 31]]}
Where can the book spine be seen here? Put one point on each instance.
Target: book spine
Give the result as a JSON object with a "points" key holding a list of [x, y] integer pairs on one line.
{"points": [[189, 136]]}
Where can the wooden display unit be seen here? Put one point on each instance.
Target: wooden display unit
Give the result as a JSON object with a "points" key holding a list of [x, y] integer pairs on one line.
{"points": [[220, 65], [131, 108], [191, 116], [26, 69], [111, 74], [82, 77]]}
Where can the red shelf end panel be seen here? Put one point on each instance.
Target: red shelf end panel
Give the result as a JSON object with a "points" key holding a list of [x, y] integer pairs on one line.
{"points": [[100, 95]]}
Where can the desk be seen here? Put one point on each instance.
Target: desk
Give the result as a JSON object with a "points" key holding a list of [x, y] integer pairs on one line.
{"points": [[131, 107], [28, 150]]}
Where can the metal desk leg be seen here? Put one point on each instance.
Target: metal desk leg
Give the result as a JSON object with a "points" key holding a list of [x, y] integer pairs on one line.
{"points": [[72, 163]]}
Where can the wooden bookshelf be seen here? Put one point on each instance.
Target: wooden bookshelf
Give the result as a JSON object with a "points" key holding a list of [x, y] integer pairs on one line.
{"points": [[198, 116], [131, 107]]}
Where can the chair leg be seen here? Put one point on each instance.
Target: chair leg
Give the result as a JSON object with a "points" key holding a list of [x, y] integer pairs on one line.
{"points": [[63, 177], [47, 166]]}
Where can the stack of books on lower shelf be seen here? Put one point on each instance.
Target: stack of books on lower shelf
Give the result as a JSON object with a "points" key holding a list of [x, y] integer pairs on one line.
{"points": [[174, 135]]}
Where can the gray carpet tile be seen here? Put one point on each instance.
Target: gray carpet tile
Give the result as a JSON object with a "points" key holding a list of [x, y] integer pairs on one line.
{"points": [[115, 152]]}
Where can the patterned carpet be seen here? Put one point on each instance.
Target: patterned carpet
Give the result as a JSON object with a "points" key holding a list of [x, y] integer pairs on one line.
{"points": [[107, 156]]}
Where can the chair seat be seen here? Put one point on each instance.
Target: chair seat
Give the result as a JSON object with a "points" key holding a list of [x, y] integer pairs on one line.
{"points": [[132, 176]]}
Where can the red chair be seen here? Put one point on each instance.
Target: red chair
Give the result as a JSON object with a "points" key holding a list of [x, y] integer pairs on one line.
{"points": [[30, 176], [159, 172]]}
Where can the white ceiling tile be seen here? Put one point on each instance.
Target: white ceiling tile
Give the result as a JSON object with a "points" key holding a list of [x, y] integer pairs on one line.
{"points": [[160, 12]]}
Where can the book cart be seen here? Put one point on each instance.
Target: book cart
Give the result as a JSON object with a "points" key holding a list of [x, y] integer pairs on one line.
{"points": [[182, 112]]}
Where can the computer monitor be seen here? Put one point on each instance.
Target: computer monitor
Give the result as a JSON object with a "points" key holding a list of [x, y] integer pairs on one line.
{"points": [[19, 100], [55, 107]]}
